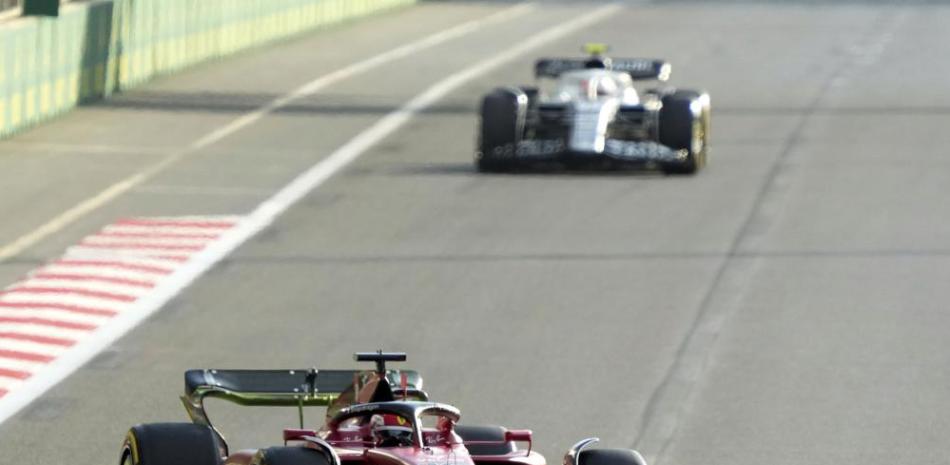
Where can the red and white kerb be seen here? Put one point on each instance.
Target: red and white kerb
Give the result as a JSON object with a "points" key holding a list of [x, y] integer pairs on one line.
{"points": [[59, 305]]}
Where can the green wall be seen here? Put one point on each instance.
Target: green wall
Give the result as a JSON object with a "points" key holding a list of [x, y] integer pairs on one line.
{"points": [[49, 65]]}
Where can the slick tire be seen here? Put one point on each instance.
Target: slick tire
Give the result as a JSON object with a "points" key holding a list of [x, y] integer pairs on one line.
{"points": [[485, 433], [684, 124], [290, 456], [610, 457], [171, 444], [503, 119]]}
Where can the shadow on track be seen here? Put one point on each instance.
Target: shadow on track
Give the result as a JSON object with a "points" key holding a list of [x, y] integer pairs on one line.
{"points": [[233, 102], [554, 170]]}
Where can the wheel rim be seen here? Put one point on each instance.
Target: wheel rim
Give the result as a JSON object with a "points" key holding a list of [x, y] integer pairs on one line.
{"points": [[699, 138]]}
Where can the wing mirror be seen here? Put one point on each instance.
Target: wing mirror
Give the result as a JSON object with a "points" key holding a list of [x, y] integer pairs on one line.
{"points": [[519, 435]]}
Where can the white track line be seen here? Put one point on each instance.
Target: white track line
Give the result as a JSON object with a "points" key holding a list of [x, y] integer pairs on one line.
{"points": [[89, 205], [265, 214]]}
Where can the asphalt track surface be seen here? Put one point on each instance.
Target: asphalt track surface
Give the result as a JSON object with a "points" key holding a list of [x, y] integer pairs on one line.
{"points": [[785, 306]]}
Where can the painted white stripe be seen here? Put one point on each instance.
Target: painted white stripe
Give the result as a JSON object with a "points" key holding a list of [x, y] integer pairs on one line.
{"points": [[80, 279], [67, 299], [119, 232], [157, 244], [19, 365], [149, 262], [114, 242], [118, 273], [32, 347], [155, 230], [9, 383], [42, 330], [199, 219], [52, 314], [268, 211], [131, 255], [83, 285]]}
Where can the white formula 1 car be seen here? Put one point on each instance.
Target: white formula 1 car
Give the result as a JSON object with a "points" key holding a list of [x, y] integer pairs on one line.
{"points": [[592, 114]]}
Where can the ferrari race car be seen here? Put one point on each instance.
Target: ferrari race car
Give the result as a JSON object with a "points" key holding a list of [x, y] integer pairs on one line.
{"points": [[587, 111], [374, 417]]}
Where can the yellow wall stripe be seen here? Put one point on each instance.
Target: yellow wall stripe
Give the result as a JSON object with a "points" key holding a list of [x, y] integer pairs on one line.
{"points": [[94, 49]]}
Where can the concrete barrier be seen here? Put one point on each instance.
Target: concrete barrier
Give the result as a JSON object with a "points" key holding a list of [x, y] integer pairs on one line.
{"points": [[50, 65]]}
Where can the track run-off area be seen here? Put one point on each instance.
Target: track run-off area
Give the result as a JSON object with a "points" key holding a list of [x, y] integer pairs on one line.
{"points": [[297, 203]]}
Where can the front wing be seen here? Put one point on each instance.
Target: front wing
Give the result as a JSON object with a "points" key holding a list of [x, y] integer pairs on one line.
{"points": [[615, 149]]}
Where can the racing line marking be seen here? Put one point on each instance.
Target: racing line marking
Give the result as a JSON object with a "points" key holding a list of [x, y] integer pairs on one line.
{"points": [[83, 208], [171, 271]]}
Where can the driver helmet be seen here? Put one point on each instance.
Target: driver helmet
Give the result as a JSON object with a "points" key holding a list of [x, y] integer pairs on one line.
{"points": [[391, 430]]}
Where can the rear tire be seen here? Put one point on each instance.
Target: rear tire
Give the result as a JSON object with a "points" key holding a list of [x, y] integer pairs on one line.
{"points": [[503, 119], [171, 444], [485, 433], [684, 125], [610, 457], [290, 456]]}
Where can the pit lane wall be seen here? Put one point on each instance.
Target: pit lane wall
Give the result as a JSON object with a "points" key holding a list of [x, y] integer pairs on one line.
{"points": [[50, 65]]}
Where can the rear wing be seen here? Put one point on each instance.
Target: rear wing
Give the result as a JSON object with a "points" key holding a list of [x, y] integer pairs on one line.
{"points": [[639, 69], [306, 387], [289, 387]]}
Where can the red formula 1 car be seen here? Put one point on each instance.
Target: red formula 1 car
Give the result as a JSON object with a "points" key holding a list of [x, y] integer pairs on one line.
{"points": [[374, 417]]}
